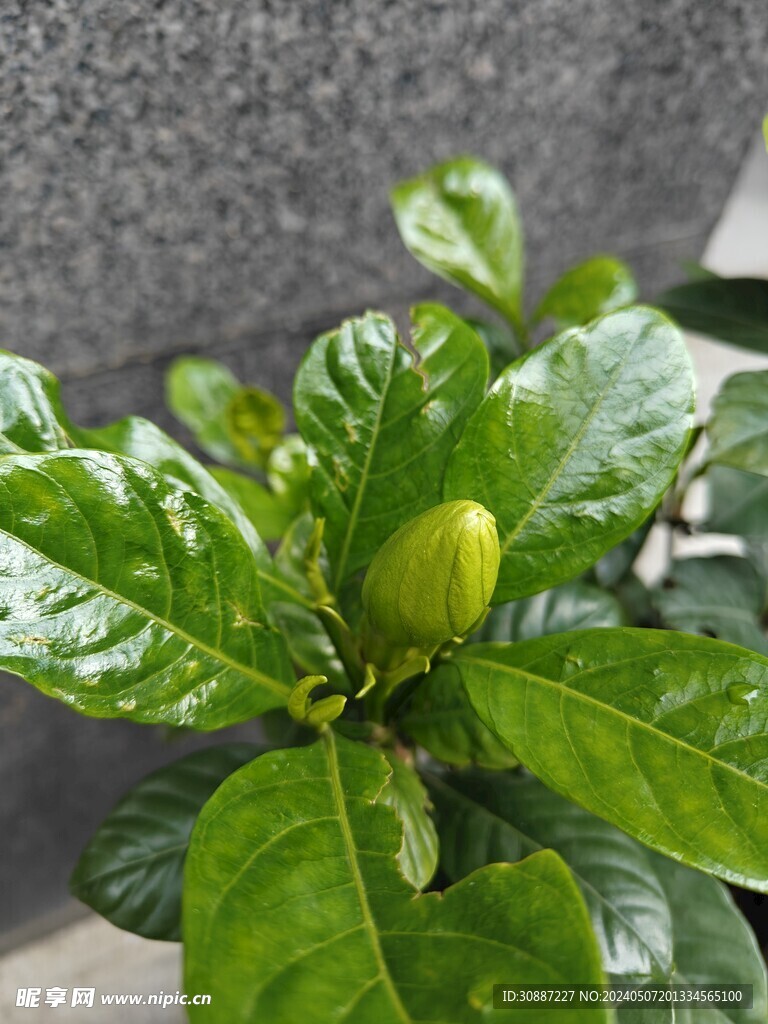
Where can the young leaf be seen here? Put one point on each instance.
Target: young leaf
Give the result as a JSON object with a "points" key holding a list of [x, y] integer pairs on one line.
{"points": [[340, 935], [460, 220], [738, 427], [125, 597], [235, 425], [130, 871], [734, 310], [381, 427], [710, 941], [440, 718], [487, 818], [405, 792], [721, 596], [597, 286], [660, 733], [574, 445], [574, 605]]}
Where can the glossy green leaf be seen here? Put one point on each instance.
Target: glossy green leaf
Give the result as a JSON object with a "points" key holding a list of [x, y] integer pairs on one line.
{"points": [[574, 605], [487, 818], [381, 428], [653, 918], [574, 445], [596, 286], [460, 220], [269, 517], [711, 942], [131, 870], [339, 935], [738, 427], [126, 597], [721, 596], [31, 417], [440, 718], [405, 792], [660, 733], [734, 310]]}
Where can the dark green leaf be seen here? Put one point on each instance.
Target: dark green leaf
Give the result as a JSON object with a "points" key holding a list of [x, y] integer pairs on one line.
{"points": [[738, 427], [711, 943], [441, 719], [500, 342], [738, 503], [124, 596], [733, 310], [130, 872], [660, 733], [721, 596], [574, 445], [615, 564], [460, 220], [405, 792], [594, 287], [294, 908], [574, 605], [487, 818], [382, 428]]}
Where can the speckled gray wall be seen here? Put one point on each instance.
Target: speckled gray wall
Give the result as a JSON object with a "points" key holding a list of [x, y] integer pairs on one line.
{"points": [[192, 174]]}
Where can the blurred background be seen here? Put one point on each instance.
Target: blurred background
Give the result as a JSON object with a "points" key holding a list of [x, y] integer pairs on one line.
{"points": [[190, 176]]}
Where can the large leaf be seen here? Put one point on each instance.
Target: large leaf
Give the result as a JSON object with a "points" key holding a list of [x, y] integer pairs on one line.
{"points": [[486, 818], [441, 719], [381, 426], [574, 605], [406, 793], [722, 596], [660, 733], [653, 918], [131, 870], [590, 289], [460, 220], [574, 445], [294, 908], [738, 428], [734, 309], [124, 596]]}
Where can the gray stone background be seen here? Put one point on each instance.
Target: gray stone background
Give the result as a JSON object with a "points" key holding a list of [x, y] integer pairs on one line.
{"points": [[192, 175]]}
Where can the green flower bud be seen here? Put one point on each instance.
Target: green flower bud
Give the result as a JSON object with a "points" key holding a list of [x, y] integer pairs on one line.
{"points": [[433, 578]]}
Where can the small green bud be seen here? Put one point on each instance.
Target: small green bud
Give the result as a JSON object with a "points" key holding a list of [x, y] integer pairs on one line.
{"points": [[433, 578]]}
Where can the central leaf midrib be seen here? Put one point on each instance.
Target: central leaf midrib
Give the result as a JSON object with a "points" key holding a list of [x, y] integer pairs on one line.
{"points": [[274, 684], [355, 510], [351, 849], [637, 722]]}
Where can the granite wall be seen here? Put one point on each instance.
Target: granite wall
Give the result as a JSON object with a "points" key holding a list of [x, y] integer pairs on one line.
{"points": [[181, 175]]}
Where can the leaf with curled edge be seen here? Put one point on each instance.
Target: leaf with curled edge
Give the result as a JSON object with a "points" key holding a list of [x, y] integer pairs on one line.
{"points": [[124, 596], [660, 733], [381, 426], [294, 908]]}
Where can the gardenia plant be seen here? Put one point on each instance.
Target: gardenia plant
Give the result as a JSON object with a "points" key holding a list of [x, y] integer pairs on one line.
{"points": [[485, 768]]}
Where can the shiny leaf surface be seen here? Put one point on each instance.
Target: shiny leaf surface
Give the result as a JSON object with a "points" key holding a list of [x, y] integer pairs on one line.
{"points": [[131, 870], [574, 445], [382, 428], [31, 418], [722, 596], [440, 718], [460, 220], [596, 286], [574, 605], [660, 733], [734, 310], [738, 427], [405, 792], [340, 935], [124, 596]]}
